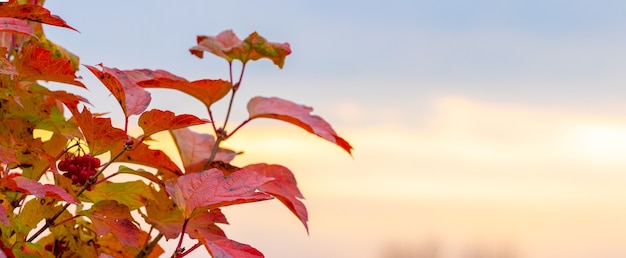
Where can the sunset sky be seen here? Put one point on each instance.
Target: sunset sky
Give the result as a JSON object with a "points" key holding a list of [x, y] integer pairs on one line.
{"points": [[480, 127]]}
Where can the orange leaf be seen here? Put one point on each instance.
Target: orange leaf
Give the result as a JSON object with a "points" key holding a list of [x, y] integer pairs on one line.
{"points": [[16, 26], [210, 189], [163, 214], [284, 188], [195, 149], [100, 135], [111, 216], [154, 121], [36, 63], [143, 155], [32, 12], [207, 91], [132, 98], [299, 115], [228, 46]]}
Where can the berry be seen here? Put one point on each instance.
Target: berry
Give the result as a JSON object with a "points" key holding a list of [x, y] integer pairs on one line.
{"points": [[79, 168]]}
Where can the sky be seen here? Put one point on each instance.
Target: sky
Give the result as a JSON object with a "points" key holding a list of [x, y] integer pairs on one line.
{"points": [[481, 128]]}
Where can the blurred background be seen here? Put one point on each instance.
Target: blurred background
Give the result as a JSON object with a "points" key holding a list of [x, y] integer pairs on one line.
{"points": [[481, 128]]}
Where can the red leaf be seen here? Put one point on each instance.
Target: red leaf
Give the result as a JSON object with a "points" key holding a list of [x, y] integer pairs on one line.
{"points": [[111, 216], [7, 155], [36, 63], [207, 91], [195, 149], [100, 135], [210, 189], [296, 114], [32, 12], [132, 98], [284, 188], [219, 45], [154, 121], [228, 46], [16, 26], [143, 155], [35, 188], [203, 228]]}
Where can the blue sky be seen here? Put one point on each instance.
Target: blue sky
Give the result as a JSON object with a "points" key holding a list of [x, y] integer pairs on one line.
{"points": [[484, 122]]}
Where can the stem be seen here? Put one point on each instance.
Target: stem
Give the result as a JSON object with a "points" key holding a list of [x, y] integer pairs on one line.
{"points": [[232, 96], [177, 253], [89, 183], [148, 249], [212, 120], [237, 128], [194, 247], [216, 147]]}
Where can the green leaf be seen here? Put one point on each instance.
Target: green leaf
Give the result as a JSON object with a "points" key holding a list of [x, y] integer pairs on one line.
{"points": [[134, 194]]}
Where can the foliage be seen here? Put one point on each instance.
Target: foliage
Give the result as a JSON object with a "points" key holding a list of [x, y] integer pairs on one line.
{"points": [[174, 202]]}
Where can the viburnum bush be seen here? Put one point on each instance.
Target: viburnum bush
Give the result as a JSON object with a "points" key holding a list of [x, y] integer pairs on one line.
{"points": [[84, 213]]}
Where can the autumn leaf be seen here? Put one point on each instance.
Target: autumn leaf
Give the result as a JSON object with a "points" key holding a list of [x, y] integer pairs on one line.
{"points": [[141, 154], [284, 188], [195, 149], [100, 135], [132, 98], [5, 208], [207, 91], [163, 214], [203, 228], [34, 211], [293, 113], [140, 172], [210, 189], [134, 194], [155, 120], [18, 26], [37, 63], [7, 155], [29, 186], [111, 216], [70, 100], [228, 46], [31, 12], [6, 67], [3, 216]]}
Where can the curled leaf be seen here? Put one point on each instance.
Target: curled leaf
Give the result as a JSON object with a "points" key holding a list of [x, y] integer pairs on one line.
{"points": [[299, 115], [228, 46], [132, 98], [284, 187]]}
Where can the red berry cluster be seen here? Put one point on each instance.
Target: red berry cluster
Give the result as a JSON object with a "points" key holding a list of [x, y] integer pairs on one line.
{"points": [[79, 168]]}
